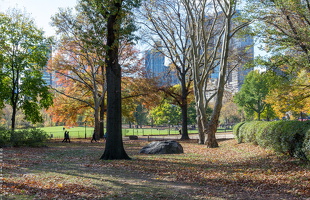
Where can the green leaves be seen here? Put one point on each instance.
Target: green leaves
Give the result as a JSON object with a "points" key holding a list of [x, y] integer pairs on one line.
{"points": [[24, 53], [253, 93], [166, 114]]}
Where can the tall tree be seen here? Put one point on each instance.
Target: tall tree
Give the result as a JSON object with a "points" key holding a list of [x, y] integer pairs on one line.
{"points": [[24, 51], [117, 20], [211, 27], [77, 63], [165, 21], [253, 92]]}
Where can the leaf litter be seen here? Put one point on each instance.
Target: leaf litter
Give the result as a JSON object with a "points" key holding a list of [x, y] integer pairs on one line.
{"points": [[232, 171]]}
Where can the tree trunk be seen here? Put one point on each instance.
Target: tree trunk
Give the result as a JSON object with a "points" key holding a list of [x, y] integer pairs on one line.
{"points": [[97, 123], [14, 109], [184, 106], [14, 97], [212, 126], [184, 123], [114, 144], [102, 110], [211, 141]]}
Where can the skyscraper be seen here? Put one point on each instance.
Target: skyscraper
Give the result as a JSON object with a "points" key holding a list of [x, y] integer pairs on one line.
{"points": [[243, 50], [155, 67], [155, 63]]}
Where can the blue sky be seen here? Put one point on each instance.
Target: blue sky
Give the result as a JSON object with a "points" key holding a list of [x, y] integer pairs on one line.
{"points": [[40, 10]]}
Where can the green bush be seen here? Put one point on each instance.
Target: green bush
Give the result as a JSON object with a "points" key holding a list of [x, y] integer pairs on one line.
{"points": [[306, 144], [248, 131], [264, 136], [27, 137], [4, 137], [288, 137], [236, 131]]}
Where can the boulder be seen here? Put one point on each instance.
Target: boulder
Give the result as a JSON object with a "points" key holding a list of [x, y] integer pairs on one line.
{"points": [[133, 137], [163, 147]]}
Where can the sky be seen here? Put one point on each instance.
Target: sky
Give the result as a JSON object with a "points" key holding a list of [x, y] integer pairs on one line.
{"points": [[40, 10]]}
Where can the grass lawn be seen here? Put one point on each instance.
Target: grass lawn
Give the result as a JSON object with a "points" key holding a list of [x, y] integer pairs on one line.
{"points": [[74, 171], [79, 132], [74, 132]]}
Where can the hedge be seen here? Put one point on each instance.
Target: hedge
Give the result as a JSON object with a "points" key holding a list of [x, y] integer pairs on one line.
{"points": [[288, 137], [30, 138]]}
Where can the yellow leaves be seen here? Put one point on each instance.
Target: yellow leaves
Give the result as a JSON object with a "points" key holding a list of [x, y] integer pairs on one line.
{"points": [[60, 185]]}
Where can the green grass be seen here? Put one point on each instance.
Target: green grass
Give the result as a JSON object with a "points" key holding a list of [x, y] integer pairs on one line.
{"points": [[79, 132], [74, 132]]}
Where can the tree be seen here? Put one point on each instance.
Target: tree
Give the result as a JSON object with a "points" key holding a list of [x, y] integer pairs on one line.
{"points": [[117, 21], [141, 115], [229, 113], [165, 21], [284, 29], [24, 51], [253, 92], [211, 27], [283, 25], [166, 113], [291, 94], [77, 68]]}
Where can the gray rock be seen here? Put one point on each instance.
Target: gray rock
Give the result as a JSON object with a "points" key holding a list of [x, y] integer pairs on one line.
{"points": [[163, 147]]}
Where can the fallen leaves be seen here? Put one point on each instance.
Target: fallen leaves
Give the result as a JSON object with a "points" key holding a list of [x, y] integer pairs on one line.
{"points": [[232, 171]]}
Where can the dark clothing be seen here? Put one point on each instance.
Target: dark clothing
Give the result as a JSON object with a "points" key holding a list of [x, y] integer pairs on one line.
{"points": [[94, 138], [66, 137]]}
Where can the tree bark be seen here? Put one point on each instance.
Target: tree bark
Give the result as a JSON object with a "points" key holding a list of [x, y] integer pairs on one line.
{"points": [[184, 106], [212, 125], [114, 144], [102, 110]]}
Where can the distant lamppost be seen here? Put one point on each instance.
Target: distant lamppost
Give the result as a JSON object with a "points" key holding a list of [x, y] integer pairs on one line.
{"points": [[169, 127], [85, 129]]}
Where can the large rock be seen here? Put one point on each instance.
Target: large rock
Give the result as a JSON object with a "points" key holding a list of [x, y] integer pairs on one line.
{"points": [[163, 147]]}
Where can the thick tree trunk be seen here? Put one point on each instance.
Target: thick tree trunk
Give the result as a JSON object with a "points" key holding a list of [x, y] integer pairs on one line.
{"points": [[201, 113], [201, 133], [211, 141], [114, 144], [184, 107], [184, 123]]}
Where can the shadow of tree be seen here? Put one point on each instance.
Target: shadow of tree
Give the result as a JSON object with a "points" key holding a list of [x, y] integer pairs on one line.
{"points": [[74, 171]]}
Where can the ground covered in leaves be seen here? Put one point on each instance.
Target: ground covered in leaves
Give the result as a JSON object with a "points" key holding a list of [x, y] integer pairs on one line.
{"points": [[74, 171]]}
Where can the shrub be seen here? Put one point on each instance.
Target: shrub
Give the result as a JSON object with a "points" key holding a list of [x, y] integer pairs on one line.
{"points": [[4, 137], [27, 137], [264, 135], [248, 131], [288, 137], [306, 145], [236, 131]]}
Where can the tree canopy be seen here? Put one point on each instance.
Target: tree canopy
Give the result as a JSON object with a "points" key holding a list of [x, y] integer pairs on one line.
{"points": [[24, 52], [283, 27], [253, 93]]}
